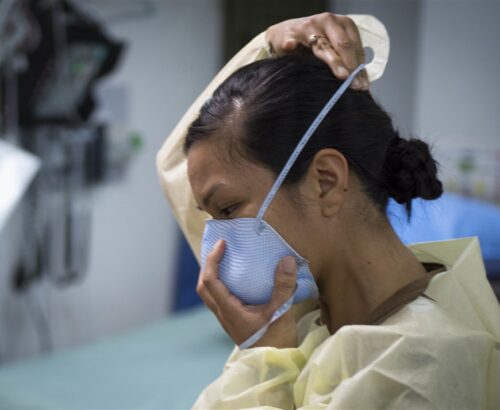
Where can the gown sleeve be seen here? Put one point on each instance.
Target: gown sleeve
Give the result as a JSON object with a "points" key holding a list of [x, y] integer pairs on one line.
{"points": [[170, 161]]}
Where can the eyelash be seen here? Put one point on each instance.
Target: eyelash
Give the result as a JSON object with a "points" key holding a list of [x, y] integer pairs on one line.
{"points": [[228, 210]]}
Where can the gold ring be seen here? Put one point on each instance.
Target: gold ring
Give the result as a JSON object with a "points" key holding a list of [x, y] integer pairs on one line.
{"points": [[313, 38]]}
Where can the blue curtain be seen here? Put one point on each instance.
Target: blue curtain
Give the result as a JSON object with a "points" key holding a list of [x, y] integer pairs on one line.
{"points": [[186, 277]]}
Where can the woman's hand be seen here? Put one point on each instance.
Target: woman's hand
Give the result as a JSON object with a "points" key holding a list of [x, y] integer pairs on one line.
{"points": [[241, 321], [339, 44]]}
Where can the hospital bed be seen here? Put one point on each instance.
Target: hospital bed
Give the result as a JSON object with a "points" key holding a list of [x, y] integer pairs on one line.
{"points": [[162, 366]]}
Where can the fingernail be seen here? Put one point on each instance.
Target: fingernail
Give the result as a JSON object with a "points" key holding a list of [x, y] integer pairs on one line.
{"points": [[366, 84], [356, 83], [342, 71], [289, 264]]}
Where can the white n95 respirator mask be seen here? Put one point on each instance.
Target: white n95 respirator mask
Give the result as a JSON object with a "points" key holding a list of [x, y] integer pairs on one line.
{"points": [[251, 258], [254, 249]]}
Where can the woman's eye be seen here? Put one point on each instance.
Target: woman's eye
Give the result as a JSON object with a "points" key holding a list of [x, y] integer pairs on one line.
{"points": [[228, 210]]}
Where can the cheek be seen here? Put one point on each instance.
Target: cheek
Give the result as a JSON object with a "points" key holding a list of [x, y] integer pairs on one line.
{"points": [[300, 234], [291, 225]]}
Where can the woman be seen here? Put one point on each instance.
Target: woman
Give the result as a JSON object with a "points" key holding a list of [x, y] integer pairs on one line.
{"points": [[396, 327]]}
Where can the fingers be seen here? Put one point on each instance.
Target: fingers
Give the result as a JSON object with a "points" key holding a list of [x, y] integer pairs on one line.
{"points": [[281, 38], [324, 51], [285, 281], [323, 47], [343, 45], [213, 258], [353, 33], [211, 289], [339, 44], [347, 45], [289, 45], [205, 295]]}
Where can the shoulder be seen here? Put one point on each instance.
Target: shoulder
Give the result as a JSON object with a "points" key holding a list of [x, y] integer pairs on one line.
{"points": [[422, 328], [416, 354]]}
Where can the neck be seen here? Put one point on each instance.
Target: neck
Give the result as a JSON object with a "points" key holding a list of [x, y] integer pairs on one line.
{"points": [[364, 271]]}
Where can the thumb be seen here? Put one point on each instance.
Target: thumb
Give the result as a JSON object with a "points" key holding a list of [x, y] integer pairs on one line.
{"points": [[285, 280], [289, 45]]}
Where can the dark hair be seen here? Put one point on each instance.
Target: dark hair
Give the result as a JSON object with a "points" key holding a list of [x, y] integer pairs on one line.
{"points": [[264, 108]]}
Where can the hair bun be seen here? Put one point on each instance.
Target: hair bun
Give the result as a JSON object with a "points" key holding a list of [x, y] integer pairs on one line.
{"points": [[410, 171]]}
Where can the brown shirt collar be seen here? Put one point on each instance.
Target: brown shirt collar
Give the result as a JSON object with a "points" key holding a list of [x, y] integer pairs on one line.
{"points": [[405, 295]]}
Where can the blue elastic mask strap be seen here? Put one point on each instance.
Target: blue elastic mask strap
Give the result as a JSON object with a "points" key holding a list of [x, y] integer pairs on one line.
{"points": [[298, 149], [276, 315]]}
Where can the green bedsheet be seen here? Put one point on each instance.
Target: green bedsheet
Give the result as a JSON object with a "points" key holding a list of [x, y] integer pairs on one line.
{"points": [[164, 366]]}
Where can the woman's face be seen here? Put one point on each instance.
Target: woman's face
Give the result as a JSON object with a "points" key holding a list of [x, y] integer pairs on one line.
{"points": [[228, 191]]}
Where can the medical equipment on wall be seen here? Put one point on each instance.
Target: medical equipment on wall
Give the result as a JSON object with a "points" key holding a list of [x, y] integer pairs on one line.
{"points": [[469, 170], [65, 53], [17, 169], [51, 56], [57, 216]]}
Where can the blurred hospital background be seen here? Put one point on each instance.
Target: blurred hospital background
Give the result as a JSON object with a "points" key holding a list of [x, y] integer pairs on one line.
{"points": [[89, 90]]}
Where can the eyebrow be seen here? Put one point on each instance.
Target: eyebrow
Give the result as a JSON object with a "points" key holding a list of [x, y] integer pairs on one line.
{"points": [[207, 198]]}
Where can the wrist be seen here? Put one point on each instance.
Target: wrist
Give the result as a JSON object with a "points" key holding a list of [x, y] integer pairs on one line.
{"points": [[281, 334], [269, 46]]}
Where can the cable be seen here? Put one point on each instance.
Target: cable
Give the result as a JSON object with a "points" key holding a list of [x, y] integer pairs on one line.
{"points": [[41, 325]]}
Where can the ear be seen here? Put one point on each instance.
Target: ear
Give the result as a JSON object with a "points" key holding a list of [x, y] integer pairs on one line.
{"points": [[328, 177]]}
